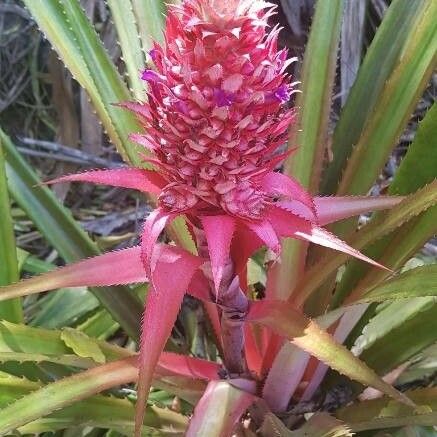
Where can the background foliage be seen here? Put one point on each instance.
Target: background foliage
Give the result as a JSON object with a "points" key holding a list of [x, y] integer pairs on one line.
{"points": [[367, 124]]}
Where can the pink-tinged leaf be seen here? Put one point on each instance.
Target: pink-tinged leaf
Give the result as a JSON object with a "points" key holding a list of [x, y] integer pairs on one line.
{"points": [[273, 346], [278, 159], [245, 243], [288, 224], [153, 226], [219, 410], [284, 377], [298, 209], [280, 184], [252, 348], [324, 238], [143, 140], [333, 209], [347, 323], [218, 232], [199, 287], [147, 181], [171, 277], [391, 378], [138, 108], [264, 230], [283, 318], [171, 364], [114, 268], [213, 316]]}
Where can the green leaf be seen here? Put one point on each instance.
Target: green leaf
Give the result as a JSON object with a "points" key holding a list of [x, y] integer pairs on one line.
{"points": [[68, 29], [394, 73], [13, 387], [66, 236], [385, 223], [417, 169], [65, 360], [398, 333], [98, 411], [52, 344], [403, 329], [423, 366], [413, 431], [133, 56], [150, 19], [75, 40], [64, 392], [9, 310], [318, 425], [82, 345], [421, 158], [63, 308], [286, 321], [421, 281], [429, 419], [310, 133], [100, 325], [179, 232], [255, 273], [386, 413]]}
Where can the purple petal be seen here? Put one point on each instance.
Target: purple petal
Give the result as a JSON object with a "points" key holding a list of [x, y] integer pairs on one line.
{"points": [[282, 93], [222, 98], [153, 53], [151, 76]]}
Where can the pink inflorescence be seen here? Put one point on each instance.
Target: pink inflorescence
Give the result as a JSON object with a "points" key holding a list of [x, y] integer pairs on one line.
{"points": [[216, 111]]}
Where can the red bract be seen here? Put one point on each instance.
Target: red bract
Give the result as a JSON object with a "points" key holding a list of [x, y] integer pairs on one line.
{"points": [[215, 117]]}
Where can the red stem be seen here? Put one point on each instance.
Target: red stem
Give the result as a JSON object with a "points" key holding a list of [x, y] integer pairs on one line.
{"points": [[234, 305]]}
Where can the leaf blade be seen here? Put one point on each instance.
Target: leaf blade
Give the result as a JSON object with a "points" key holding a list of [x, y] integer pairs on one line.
{"points": [[406, 210], [418, 282], [219, 409], [395, 104], [381, 59], [306, 334], [130, 43], [310, 132], [10, 310], [60, 229]]}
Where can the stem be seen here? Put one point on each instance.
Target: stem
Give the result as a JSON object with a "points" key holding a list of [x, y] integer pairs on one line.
{"points": [[234, 305]]}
